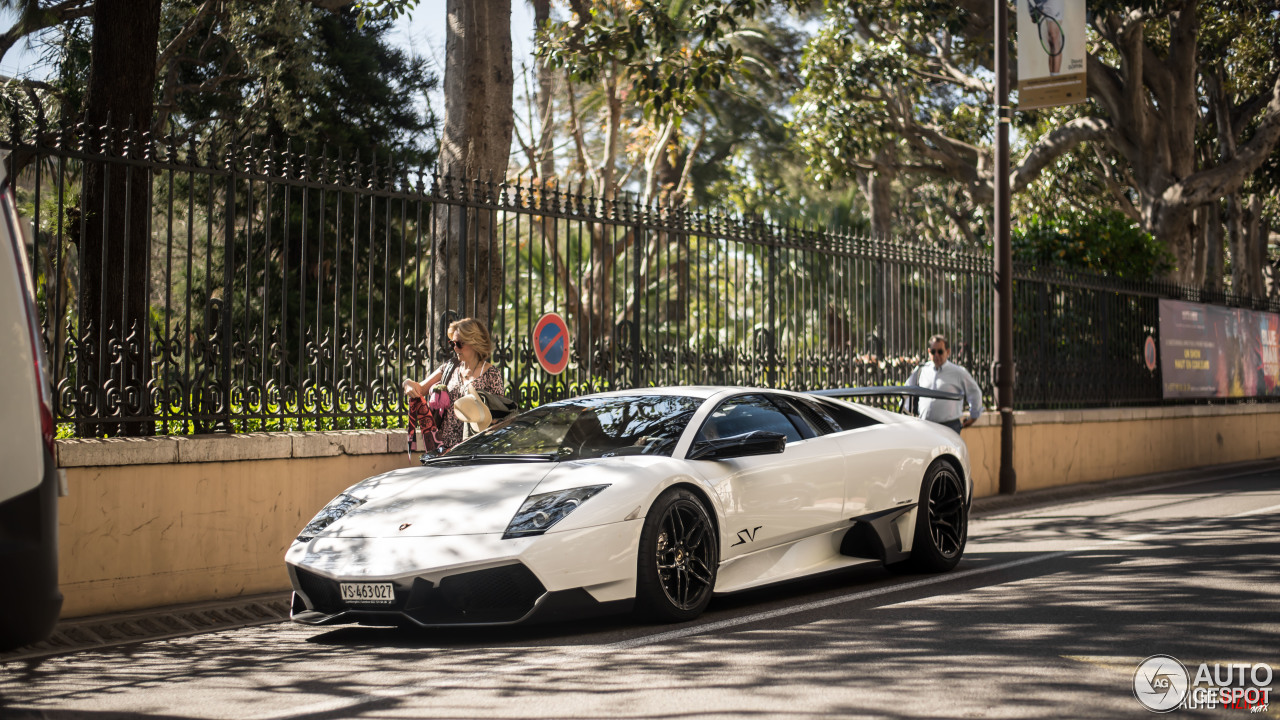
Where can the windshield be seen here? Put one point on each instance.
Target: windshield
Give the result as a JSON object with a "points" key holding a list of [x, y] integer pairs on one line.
{"points": [[590, 428]]}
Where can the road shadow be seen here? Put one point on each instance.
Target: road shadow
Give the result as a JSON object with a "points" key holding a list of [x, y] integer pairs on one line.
{"points": [[1055, 627]]}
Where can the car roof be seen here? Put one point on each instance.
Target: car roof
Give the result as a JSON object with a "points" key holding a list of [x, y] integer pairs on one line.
{"points": [[703, 392], [715, 392]]}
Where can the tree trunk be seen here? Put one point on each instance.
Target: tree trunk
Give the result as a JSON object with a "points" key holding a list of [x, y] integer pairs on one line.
{"points": [[1238, 245], [1213, 238], [1272, 262], [474, 149], [877, 188], [1155, 110], [116, 201], [1174, 226], [879, 195], [1255, 242], [546, 167], [1200, 254]]}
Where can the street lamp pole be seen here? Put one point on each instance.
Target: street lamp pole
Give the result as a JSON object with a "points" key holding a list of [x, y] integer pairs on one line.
{"points": [[1003, 256]]}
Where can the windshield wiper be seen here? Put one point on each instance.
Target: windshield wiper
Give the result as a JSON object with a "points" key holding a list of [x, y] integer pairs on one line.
{"points": [[492, 458]]}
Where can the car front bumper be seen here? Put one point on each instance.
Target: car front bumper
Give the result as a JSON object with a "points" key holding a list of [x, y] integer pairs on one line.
{"points": [[468, 579]]}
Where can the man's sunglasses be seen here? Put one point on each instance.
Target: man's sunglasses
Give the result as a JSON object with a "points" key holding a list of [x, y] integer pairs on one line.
{"points": [[937, 351]]}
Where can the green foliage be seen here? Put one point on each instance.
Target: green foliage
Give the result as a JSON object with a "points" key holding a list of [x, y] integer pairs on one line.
{"points": [[893, 92], [872, 82], [1106, 242], [289, 70], [748, 162], [367, 10], [902, 89], [672, 52], [1242, 39]]}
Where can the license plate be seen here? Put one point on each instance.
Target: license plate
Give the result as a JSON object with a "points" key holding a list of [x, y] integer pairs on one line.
{"points": [[372, 593]]}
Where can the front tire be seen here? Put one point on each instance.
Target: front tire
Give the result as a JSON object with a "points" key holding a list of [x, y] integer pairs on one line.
{"points": [[678, 559], [942, 520]]}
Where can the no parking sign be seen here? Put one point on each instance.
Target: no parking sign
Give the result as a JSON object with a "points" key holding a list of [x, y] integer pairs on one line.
{"points": [[551, 343]]}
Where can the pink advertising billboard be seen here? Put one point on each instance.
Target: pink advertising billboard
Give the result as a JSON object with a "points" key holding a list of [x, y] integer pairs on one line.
{"points": [[1210, 351]]}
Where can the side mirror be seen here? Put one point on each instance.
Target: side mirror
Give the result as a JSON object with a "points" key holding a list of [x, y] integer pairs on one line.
{"points": [[756, 442]]}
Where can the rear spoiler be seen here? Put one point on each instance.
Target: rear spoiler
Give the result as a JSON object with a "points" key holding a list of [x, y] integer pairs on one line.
{"points": [[881, 390]]}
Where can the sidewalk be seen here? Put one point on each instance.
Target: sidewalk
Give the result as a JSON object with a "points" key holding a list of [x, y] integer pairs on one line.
{"points": [[997, 504]]}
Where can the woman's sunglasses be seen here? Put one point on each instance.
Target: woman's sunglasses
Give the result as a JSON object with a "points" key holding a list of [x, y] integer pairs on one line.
{"points": [[457, 344]]}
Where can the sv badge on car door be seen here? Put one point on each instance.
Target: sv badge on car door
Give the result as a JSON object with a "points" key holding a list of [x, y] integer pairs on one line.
{"points": [[747, 535]]}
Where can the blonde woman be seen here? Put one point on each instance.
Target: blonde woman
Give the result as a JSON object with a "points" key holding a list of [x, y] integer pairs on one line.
{"points": [[472, 348]]}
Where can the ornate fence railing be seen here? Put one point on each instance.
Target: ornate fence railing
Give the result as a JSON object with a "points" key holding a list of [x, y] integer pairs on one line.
{"points": [[268, 289]]}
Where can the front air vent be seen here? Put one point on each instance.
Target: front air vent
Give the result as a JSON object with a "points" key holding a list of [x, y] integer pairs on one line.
{"points": [[495, 595]]}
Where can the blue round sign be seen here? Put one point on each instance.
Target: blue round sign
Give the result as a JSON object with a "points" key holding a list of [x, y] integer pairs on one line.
{"points": [[551, 343]]}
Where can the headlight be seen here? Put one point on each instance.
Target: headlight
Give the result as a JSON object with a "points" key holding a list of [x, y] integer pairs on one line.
{"points": [[336, 508], [540, 512]]}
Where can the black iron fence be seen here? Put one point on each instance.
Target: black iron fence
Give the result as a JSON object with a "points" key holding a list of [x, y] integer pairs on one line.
{"points": [[263, 288], [1079, 338]]}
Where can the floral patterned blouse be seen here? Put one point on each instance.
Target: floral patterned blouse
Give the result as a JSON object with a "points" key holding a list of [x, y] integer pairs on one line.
{"points": [[453, 430]]}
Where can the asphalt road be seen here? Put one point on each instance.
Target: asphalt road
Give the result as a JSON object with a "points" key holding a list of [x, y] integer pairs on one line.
{"points": [[1048, 615]]}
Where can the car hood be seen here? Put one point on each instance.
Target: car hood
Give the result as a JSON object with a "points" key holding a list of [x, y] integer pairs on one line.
{"points": [[434, 501]]}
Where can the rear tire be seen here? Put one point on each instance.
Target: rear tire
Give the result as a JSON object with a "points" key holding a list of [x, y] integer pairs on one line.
{"points": [[942, 521], [678, 558]]}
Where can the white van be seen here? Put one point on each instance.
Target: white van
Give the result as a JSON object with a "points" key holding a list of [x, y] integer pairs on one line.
{"points": [[28, 471]]}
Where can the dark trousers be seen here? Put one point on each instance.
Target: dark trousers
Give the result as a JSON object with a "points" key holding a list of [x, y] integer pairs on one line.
{"points": [[953, 424]]}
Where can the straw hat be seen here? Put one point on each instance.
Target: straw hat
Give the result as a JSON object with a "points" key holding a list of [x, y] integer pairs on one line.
{"points": [[472, 410]]}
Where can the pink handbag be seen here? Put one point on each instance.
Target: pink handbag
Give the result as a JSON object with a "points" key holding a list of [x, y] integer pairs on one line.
{"points": [[439, 398]]}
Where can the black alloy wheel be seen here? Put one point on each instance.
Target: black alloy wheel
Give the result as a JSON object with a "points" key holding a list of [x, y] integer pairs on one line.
{"points": [[678, 558], [946, 512], [942, 520]]}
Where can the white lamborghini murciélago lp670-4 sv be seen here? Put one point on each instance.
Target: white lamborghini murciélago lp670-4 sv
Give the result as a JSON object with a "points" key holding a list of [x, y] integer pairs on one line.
{"points": [[655, 499]]}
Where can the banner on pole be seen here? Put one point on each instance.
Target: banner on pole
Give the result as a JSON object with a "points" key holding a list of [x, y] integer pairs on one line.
{"points": [[1051, 53]]}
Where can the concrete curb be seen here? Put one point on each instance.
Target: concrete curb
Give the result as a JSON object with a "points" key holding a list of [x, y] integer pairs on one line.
{"points": [[137, 626]]}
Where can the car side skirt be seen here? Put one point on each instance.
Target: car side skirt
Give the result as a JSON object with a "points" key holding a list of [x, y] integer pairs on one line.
{"points": [[811, 555]]}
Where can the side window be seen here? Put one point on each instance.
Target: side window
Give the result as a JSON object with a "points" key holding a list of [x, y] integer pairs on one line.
{"points": [[805, 416], [844, 417], [744, 414]]}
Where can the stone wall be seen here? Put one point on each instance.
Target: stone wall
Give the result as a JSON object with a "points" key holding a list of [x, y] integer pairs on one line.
{"points": [[161, 521], [1063, 447]]}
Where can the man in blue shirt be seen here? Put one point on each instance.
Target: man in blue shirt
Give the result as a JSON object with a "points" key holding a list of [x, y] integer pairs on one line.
{"points": [[943, 375]]}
